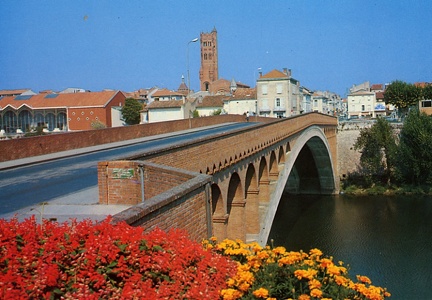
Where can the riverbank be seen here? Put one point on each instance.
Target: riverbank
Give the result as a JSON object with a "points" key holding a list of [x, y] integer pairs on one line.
{"points": [[386, 190]]}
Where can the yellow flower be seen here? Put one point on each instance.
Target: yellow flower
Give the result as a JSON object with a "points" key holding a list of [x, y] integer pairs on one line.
{"points": [[314, 284], [325, 262], [340, 280], [261, 293], [279, 250], [316, 293], [333, 270], [230, 294], [315, 252], [308, 274], [364, 279], [304, 297]]}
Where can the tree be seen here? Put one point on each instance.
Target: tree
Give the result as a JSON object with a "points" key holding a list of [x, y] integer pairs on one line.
{"points": [[377, 145], [131, 111], [402, 95], [414, 164], [217, 112], [427, 92]]}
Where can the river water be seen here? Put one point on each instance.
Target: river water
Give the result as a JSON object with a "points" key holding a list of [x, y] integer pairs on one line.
{"points": [[387, 238]]}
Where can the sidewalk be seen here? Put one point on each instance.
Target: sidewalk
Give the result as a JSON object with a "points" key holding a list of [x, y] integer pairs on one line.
{"points": [[80, 205]]}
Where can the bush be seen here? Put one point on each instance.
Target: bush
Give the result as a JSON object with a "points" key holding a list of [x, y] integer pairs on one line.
{"points": [[105, 261], [274, 273]]}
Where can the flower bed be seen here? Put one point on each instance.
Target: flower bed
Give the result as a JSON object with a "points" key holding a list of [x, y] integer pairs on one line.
{"points": [[83, 260], [274, 273], [94, 261]]}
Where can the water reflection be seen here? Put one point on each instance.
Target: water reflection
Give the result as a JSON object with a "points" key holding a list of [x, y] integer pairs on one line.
{"points": [[388, 239]]}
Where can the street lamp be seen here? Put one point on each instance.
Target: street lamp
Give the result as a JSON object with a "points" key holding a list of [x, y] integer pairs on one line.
{"points": [[191, 41]]}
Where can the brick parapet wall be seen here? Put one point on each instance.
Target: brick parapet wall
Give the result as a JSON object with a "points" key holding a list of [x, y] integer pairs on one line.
{"points": [[184, 206], [33, 146], [217, 153]]}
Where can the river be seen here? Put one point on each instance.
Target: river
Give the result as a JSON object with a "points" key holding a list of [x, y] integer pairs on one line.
{"points": [[387, 238]]}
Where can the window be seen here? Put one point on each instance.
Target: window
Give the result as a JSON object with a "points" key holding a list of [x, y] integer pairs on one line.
{"points": [[363, 107], [279, 88], [264, 89], [426, 103], [278, 102]]}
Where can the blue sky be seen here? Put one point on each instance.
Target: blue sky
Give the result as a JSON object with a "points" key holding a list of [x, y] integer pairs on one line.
{"points": [[127, 45]]}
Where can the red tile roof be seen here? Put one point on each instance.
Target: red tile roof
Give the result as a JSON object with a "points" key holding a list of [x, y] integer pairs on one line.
{"points": [[274, 74], [245, 93], [378, 86], [88, 99], [211, 101], [164, 104], [379, 95], [12, 92], [166, 92]]}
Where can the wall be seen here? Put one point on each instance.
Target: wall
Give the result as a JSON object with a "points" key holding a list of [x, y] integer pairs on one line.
{"points": [[173, 198], [33, 146]]}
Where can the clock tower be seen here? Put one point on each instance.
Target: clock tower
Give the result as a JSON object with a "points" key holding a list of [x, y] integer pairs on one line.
{"points": [[209, 59]]}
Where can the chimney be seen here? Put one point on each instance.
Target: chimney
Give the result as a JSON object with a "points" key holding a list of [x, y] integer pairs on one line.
{"points": [[260, 74]]}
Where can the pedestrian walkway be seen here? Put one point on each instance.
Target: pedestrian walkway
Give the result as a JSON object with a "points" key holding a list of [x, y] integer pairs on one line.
{"points": [[83, 204]]}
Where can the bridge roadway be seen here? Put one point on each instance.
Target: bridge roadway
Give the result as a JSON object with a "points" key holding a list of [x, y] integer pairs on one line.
{"points": [[67, 181]]}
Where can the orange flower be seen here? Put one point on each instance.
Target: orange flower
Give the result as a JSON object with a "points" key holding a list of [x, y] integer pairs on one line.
{"points": [[261, 293], [316, 293], [364, 279]]}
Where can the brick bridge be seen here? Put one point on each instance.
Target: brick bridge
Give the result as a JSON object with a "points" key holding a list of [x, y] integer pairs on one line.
{"points": [[227, 186]]}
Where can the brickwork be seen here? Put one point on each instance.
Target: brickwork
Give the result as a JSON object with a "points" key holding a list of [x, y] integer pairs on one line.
{"points": [[33, 146], [185, 206], [120, 181], [219, 153]]}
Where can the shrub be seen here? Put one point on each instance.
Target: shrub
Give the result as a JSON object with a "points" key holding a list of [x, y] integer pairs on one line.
{"points": [[274, 273], [103, 261]]}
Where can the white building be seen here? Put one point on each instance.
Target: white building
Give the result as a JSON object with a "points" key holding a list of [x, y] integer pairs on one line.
{"points": [[278, 94]]}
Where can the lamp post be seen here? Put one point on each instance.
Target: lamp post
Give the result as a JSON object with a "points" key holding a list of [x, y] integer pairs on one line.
{"points": [[191, 41]]}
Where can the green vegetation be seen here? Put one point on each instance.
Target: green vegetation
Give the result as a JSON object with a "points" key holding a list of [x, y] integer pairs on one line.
{"points": [[217, 112], [403, 95], [394, 164], [131, 111]]}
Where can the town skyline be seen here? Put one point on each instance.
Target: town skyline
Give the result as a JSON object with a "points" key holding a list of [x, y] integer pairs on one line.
{"points": [[128, 46]]}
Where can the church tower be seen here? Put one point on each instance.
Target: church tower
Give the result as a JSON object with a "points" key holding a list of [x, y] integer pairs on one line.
{"points": [[209, 59]]}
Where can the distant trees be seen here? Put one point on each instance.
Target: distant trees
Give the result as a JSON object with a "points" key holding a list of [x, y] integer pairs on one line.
{"points": [[414, 157], [403, 159], [377, 145], [402, 95], [131, 111]]}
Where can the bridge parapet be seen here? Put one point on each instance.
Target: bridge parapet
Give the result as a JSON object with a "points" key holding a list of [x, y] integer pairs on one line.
{"points": [[161, 196], [215, 154]]}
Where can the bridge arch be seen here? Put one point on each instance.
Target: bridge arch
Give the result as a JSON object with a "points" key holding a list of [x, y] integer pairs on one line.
{"points": [[309, 153]]}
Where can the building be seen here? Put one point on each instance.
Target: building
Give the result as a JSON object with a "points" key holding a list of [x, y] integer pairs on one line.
{"points": [[59, 112], [167, 95], [209, 105], [209, 71], [278, 94], [365, 100], [241, 101], [16, 92], [306, 104]]}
